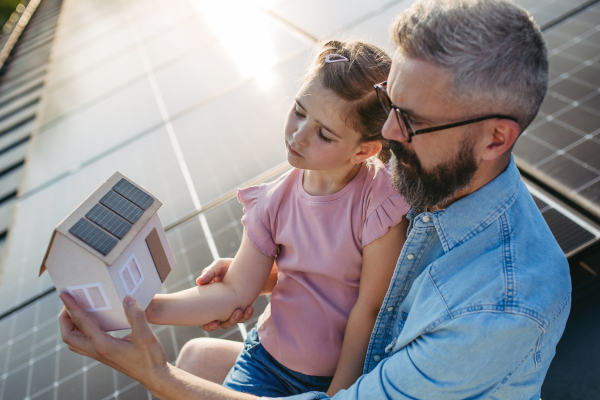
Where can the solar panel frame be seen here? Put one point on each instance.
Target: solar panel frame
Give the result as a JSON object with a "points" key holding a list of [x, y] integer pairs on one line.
{"points": [[93, 236], [561, 148], [133, 194], [109, 221], [34, 332], [121, 206]]}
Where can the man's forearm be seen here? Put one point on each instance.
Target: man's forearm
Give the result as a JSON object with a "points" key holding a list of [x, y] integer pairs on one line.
{"points": [[176, 384]]}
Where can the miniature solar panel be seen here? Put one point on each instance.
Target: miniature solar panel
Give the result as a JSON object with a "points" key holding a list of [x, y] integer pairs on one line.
{"points": [[133, 194], [562, 145], [35, 363], [109, 221], [94, 236], [121, 206]]}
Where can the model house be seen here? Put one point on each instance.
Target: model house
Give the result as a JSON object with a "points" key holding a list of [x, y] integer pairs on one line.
{"points": [[111, 246]]}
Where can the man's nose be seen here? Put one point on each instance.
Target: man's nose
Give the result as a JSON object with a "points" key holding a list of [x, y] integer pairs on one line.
{"points": [[391, 129]]}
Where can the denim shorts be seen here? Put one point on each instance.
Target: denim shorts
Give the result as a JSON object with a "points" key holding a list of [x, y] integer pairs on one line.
{"points": [[257, 372]]}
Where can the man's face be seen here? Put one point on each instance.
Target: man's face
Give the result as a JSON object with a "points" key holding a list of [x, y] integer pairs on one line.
{"points": [[434, 166]]}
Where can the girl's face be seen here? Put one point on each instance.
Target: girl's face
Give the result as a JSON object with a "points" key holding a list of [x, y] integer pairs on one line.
{"points": [[316, 135]]}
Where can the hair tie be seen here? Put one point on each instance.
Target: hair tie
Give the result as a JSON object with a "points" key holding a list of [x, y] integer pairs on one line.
{"points": [[328, 59]]}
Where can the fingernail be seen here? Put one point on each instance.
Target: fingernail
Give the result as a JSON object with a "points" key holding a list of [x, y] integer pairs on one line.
{"points": [[250, 311], [129, 300]]}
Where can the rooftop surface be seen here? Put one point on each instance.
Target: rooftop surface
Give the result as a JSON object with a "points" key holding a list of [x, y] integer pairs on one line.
{"points": [[187, 98]]}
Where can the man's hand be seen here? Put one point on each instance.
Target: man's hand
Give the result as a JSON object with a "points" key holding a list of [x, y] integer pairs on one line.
{"points": [[138, 355], [215, 273]]}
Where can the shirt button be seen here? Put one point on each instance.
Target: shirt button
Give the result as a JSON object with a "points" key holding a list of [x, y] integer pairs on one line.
{"points": [[426, 219], [390, 309], [376, 358], [410, 256]]}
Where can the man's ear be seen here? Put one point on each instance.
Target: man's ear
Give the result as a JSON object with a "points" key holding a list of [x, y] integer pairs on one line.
{"points": [[502, 139], [367, 149]]}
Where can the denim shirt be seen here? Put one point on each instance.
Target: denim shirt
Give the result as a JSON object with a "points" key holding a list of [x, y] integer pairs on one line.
{"points": [[479, 299]]}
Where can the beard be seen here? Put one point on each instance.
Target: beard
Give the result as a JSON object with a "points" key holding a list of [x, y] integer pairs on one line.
{"points": [[423, 189]]}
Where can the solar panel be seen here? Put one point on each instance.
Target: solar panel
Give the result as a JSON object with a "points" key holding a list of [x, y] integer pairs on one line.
{"points": [[133, 194], [109, 221], [94, 236], [37, 364], [567, 233], [121, 206], [562, 145]]}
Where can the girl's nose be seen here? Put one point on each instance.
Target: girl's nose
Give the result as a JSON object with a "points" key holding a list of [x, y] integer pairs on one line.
{"points": [[391, 129], [300, 136]]}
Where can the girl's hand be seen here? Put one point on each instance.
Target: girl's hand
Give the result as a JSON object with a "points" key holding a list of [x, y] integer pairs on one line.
{"points": [[215, 273]]}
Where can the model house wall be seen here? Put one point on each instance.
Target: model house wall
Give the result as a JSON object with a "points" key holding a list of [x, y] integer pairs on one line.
{"points": [[139, 253], [79, 274], [112, 245]]}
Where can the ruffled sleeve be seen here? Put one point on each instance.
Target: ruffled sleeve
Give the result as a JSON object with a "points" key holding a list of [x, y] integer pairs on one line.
{"points": [[389, 213], [257, 229]]}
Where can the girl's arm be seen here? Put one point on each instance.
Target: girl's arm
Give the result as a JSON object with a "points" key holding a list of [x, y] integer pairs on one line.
{"points": [[379, 260], [200, 305]]}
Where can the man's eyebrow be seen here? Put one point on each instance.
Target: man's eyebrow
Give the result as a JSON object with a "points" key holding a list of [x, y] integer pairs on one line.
{"points": [[416, 116], [411, 113], [326, 128]]}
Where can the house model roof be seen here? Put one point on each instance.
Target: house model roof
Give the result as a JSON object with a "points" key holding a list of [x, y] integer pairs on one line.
{"points": [[106, 222]]}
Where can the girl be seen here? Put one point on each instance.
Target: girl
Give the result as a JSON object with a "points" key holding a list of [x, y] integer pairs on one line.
{"points": [[335, 225]]}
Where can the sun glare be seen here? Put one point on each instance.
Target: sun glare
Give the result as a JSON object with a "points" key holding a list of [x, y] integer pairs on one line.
{"points": [[244, 31]]}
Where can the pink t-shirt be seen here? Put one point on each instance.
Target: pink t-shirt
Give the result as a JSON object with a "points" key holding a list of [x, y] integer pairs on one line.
{"points": [[318, 242]]}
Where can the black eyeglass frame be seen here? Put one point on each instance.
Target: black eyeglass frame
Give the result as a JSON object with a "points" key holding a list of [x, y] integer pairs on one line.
{"points": [[381, 92]]}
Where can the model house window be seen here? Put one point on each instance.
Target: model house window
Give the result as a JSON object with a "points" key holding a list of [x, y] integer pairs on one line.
{"points": [[131, 275], [90, 297]]}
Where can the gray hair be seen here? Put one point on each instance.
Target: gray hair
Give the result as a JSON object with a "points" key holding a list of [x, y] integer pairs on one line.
{"points": [[491, 47]]}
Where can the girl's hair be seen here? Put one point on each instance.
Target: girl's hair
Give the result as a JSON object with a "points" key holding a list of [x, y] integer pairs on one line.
{"points": [[353, 82]]}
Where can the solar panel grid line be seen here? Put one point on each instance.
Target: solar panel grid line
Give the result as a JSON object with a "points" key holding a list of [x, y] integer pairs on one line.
{"points": [[93, 236], [569, 235], [575, 70], [570, 117], [587, 185], [121, 206], [167, 120], [108, 220], [90, 376], [32, 359], [133, 194], [558, 151], [580, 37], [6, 361], [544, 117], [564, 210]]}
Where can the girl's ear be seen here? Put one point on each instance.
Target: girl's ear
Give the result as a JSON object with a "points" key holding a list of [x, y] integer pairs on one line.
{"points": [[366, 150]]}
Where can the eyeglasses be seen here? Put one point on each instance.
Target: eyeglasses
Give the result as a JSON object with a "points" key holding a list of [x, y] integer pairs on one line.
{"points": [[405, 127]]}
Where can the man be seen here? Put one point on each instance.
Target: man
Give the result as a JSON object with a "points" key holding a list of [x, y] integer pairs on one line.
{"points": [[481, 291]]}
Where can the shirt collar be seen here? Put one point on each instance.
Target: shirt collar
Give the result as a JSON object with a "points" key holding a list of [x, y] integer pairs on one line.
{"points": [[475, 212]]}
